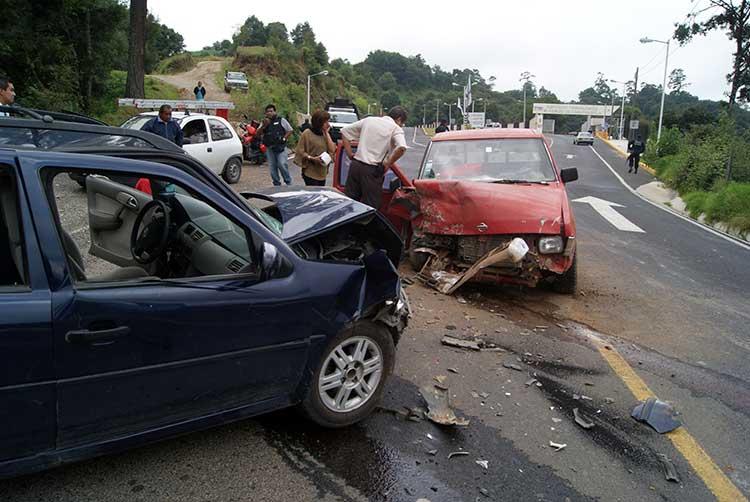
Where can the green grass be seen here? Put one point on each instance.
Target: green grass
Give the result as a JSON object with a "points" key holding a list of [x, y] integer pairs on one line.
{"points": [[178, 63], [729, 203], [106, 108]]}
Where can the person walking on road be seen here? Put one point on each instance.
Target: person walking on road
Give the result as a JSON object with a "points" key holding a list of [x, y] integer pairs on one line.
{"points": [[199, 91], [305, 126], [635, 148], [164, 126], [275, 132], [315, 150], [443, 127], [381, 144], [7, 94]]}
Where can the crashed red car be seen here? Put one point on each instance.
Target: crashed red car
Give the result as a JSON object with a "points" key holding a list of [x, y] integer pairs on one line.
{"points": [[475, 192]]}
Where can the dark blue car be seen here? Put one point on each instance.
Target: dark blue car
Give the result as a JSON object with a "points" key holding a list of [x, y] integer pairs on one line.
{"points": [[157, 301]]}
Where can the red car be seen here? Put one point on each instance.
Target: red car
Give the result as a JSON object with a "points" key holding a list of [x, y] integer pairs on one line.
{"points": [[475, 192]]}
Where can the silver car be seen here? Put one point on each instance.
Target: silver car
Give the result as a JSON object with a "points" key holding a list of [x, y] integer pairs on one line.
{"points": [[584, 138], [235, 80]]}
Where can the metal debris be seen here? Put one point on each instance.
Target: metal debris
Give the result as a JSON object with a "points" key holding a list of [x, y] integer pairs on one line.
{"points": [[531, 382], [458, 343], [582, 419], [557, 446], [660, 415], [457, 454], [670, 472], [512, 366], [485, 492], [484, 463], [439, 410], [453, 370]]}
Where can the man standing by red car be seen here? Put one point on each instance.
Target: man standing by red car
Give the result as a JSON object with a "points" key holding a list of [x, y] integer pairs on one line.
{"points": [[381, 144]]}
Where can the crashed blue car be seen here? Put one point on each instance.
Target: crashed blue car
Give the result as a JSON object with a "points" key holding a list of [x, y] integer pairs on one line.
{"points": [[157, 301]]}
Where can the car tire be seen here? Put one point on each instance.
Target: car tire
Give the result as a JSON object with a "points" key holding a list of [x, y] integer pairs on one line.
{"points": [[319, 405], [568, 282], [232, 170]]}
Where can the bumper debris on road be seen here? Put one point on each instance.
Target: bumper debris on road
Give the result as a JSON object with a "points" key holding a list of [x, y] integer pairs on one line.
{"points": [[660, 415]]}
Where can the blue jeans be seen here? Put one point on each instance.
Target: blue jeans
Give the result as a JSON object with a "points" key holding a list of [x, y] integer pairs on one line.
{"points": [[277, 162]]}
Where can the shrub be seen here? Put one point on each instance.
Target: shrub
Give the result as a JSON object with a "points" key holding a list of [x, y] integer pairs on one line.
{"points": [[176, 64]]}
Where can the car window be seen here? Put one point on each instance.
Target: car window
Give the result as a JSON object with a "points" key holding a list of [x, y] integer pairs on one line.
{"points": [[136, 122], [49, 139], [96, 225], [343, 117], [12, 254], [218, 130], [195, 132], [517, 159]]}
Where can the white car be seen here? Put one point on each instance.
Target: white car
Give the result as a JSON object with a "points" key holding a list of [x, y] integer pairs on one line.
{"points": [[235, 80], [220, 151], [341, 117]]}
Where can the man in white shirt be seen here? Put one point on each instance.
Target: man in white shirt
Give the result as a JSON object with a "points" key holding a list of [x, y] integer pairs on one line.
{"points": [[7, 94], [381, 144]]}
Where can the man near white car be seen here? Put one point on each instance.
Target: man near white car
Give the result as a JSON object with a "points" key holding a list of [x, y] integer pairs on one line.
{"points": [[275, 132], [381, 144], [164, 126]]}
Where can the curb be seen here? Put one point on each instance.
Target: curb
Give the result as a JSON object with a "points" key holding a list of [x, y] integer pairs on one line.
{"points": [[650, 170], [709, 228]]}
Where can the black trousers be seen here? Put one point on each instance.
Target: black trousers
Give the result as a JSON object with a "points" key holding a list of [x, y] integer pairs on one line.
{"points": [[365, 183], [312, 182]]}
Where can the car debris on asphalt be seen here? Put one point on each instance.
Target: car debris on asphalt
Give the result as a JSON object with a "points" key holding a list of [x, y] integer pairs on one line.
{"points": [[512, 366], [457, 454], [557, 446], [483, 463], [660, 415], [439, 410], [670, 472], [582, 419]]}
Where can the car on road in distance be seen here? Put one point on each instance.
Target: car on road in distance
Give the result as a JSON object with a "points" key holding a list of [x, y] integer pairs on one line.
{"points": [[476, 191], [131, 315], [583, 138], [208, 138], [235, 80], [343, 112]]}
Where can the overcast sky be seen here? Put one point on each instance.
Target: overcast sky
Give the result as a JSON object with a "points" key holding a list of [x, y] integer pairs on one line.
{"points": [[563, 42]]}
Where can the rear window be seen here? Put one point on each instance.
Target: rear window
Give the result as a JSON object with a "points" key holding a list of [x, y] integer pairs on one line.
{"points": [[49, 139], [343, 117], [236, 76], [585, 135], [489, 160]]}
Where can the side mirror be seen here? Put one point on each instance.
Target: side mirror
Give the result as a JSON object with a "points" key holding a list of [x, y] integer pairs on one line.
{"points": [[395, 184], [272, 263], [569, 174]]}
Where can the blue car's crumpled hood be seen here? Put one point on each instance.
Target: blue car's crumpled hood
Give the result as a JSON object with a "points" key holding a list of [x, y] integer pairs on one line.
{"points": [[309, 211]]}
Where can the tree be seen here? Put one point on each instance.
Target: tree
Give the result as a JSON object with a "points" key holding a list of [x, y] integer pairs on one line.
{"points": [[134, 84], [252, 32], [303, 34], [677, 80], [389, 99], [161, 42]]}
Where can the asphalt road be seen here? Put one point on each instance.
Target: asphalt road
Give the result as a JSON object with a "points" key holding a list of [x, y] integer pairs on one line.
{"points": [[668, 300]]}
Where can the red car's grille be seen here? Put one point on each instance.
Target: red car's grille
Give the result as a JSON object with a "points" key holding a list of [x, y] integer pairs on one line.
{"points": [[473, 247]]}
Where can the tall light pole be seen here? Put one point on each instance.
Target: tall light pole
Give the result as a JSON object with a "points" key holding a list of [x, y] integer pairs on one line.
{"points": [[437, 112], [450, 117], [646, 40], [622, 107], [324, 73], [424, 114], [525, 78]]}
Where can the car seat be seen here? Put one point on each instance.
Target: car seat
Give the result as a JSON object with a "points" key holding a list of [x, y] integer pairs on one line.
{"points": [[79, 269]]}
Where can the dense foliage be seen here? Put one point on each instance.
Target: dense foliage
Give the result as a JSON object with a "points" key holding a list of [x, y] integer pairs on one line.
{"points": [[60, 54]]}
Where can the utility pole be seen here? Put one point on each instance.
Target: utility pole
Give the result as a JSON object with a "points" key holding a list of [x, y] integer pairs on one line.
{"points": [[525, 78]]}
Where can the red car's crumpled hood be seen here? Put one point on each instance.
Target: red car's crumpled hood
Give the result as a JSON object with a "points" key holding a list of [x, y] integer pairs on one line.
{"points": [[461, 207]]}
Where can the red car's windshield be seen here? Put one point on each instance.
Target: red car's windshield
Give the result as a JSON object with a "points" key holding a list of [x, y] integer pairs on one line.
{"points": [[489, 160]]}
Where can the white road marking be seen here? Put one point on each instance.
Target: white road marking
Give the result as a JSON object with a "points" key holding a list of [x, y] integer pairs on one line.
{"points": [[414, 138], [570, 156], [606, 209], [670, 211]]}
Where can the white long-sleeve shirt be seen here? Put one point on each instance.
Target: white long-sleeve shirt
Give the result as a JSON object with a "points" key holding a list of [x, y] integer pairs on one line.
{"points": [[377, 137]]}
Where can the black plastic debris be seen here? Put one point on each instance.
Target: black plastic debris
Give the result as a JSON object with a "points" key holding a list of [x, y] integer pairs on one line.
{"points": [[670, 472], [660, 415], [439, 409], [582, 419]]}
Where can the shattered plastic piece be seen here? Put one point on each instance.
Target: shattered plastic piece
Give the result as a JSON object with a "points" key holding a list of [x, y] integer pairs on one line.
{"points": [[531, 382], [453, 370], [484, 395], [512, 366], [461, 299], [582, 419], [474, 395], [440, 379], [432, 452], [609, 400], [439, 410], [457, 454], [658, 414], [557, 420], [557, 446], [429, 436], [484, 463], [670, 472], [485, 492], [415, 414], [458, 343]]}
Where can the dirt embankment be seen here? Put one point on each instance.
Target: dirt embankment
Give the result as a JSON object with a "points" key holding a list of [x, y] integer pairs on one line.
{"points": [[205, 71]]}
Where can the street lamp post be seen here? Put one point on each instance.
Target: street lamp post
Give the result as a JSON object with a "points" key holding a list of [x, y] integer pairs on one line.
{"points": [[525, 78], [437, 112], [450, 117], [621, 127], [646, 40], [324, 73]]}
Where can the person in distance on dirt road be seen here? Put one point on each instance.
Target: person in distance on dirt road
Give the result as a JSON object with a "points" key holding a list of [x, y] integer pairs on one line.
{"points": [[199, 91], [381, 144]]}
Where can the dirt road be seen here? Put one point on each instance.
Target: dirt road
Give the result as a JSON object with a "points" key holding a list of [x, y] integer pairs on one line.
{"points": [[205, 71]]}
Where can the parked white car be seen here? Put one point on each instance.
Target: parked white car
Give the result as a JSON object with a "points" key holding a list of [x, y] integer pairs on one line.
{"points": [[208, 138]]}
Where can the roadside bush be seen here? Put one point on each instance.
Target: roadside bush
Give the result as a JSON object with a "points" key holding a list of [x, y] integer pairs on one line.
{"points": [[671, 143], [176, 64], [704, 162], [728, 203], [695, 203]]}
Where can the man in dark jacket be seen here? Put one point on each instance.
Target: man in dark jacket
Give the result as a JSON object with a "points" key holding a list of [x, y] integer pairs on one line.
{"points": [[164, 126], [443, 127], [635, 148]]}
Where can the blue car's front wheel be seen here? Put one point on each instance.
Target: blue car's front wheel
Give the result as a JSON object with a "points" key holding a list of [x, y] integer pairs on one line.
{"points": [[348, 383]]}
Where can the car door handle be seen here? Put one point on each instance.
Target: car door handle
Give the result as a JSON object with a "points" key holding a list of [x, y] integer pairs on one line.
{"points": [[96, 337], [209, 149]]}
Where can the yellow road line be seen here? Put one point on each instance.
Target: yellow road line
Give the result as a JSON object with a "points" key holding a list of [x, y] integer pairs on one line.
{"points": [[714, 478]]}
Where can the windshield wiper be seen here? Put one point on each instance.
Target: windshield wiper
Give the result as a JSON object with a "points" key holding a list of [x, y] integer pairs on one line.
{"points": [[513, 182]]}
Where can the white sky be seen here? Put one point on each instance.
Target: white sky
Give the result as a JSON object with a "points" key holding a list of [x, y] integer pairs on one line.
{"points": [[563, 42]]}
